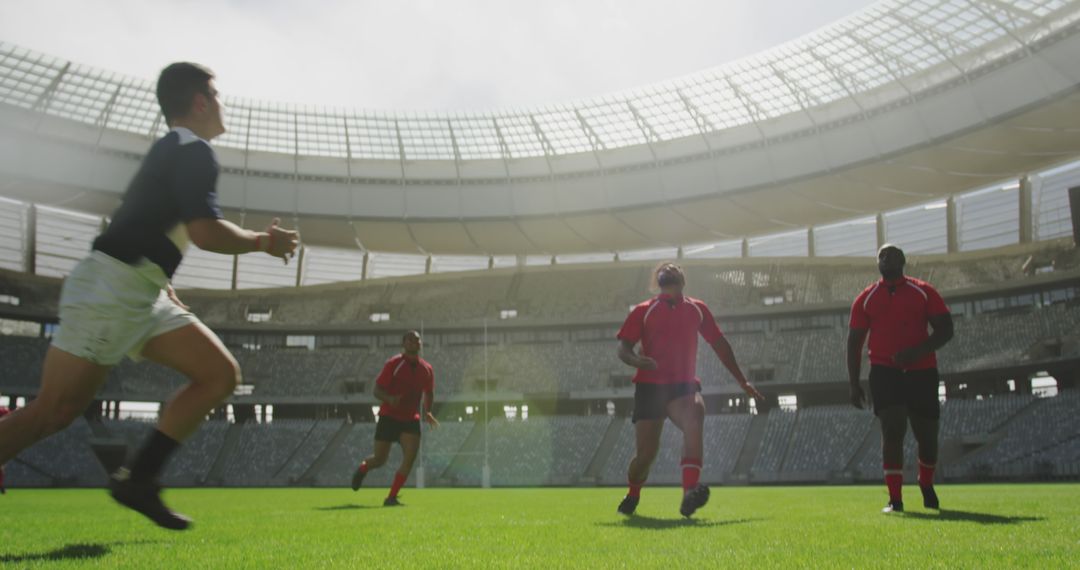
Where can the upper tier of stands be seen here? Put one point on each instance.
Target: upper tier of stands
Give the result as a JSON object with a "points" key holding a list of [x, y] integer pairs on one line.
{"points": [[983, 341], [584, 293]]}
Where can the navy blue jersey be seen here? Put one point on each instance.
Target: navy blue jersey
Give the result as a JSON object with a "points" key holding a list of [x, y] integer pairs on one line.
{"points": [[175, 184]]}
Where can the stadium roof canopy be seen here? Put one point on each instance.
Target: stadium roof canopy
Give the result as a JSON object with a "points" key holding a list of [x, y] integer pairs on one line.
{"points": [[896, 105]]}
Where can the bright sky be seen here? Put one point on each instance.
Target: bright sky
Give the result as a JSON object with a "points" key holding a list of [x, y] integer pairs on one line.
{"points": [[415, 54]]}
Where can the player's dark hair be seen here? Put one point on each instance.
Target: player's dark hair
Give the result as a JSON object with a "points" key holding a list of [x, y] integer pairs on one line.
{"points": [[177, 86]]}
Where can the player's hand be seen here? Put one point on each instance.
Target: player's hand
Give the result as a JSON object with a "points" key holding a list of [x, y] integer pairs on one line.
{"points": [[430, 419], [282, 243], [908, 356], [858, 397], [646, 363], [172, 297], [752, 391]]}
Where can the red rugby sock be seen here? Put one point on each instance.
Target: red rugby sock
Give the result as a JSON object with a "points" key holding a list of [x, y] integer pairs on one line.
{"points": [[894, 480], [926, 474], [691, 473], [399, 480]]}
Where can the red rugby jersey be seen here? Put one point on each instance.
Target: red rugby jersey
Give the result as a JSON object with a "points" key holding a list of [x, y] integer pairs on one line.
{"points": [[667, 328], [409, 378], [897, 315]]}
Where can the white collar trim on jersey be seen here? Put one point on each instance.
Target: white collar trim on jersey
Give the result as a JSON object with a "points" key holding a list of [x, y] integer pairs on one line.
{"points": [[187, 136]]}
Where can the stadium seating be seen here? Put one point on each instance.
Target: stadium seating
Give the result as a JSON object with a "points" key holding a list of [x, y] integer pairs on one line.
{"points": [[62, 459], [543, 451], [825, 438], [1012, 436]]}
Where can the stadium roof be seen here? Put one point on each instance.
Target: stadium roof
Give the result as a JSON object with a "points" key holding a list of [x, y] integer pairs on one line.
{"points": [[898, 104]]}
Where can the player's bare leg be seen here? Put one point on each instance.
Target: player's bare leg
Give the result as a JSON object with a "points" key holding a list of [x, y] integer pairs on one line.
{"points": [[894, 422], [647, 445], [68, 386], [410, 448], [374, 461], [197, 353], [688, 414], [925, 431]]}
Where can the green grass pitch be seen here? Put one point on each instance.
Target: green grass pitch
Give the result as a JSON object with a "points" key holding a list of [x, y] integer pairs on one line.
{"points": [[982, 526]]}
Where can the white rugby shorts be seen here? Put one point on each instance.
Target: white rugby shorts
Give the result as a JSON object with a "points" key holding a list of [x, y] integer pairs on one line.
{"points": [[109, 309]]}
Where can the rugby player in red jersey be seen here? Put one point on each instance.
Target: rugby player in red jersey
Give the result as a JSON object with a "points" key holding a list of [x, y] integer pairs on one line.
{"points": [[666, 383], [406, 380], [895, 312]]}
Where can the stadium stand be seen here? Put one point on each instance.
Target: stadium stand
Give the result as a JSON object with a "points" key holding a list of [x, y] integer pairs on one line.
{"points": [[543, 451], [1005, 436]]}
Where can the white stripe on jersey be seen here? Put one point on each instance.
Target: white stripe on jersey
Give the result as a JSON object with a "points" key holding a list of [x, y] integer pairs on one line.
{"points": [[651, 307], [872, 291], [919, 289]]}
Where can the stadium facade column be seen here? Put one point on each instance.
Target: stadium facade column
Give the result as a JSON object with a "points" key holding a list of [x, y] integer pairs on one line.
{"points": [[880, 230], [745, 248], [243, 213], [1027, 232], [235, 271], [427, 265], [811, 242], [30, 244], [364, 265], [952, 232], [300, 262]]}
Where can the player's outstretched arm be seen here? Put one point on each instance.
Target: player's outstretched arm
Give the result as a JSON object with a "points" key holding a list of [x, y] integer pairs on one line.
{"points": [[223, 236], [855, 340], [723, 351], [631, 358]]}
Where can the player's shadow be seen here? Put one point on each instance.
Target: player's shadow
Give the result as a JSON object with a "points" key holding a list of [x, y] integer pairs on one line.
{"points": [[80, 551], [949, 515], [652, 523], [350, 507]]}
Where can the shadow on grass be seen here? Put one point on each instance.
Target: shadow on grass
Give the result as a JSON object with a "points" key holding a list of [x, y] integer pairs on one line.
{"points": [[965, 516], [350, 507], [77, 551], [652, 523]]}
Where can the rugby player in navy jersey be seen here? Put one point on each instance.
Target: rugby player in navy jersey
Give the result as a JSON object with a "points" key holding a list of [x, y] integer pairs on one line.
{"points": [[119, 301]]}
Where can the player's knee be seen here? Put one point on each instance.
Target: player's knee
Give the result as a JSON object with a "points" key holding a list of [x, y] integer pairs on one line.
{"points": [[227, 377], [57, 418], [645, 457], [697, 413], [893, 424], [893, 433]]}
